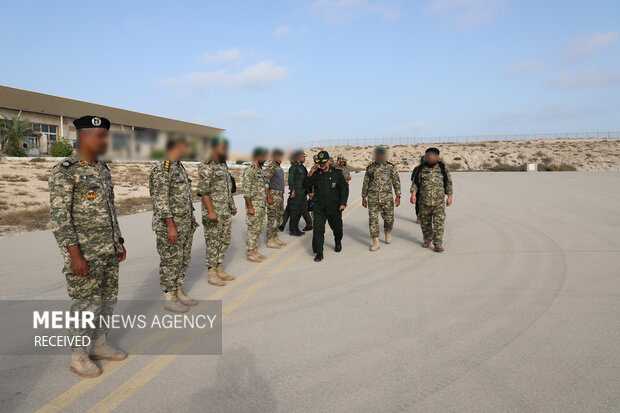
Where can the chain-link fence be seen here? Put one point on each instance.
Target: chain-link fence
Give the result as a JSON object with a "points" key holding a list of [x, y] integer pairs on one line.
{"points": [[457, 139]]}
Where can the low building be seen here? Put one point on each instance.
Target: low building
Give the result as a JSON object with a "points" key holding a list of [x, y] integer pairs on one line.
{"points": [[133, 135]]}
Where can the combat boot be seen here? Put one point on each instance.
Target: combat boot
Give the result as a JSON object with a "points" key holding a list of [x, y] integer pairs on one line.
{"points": [[223, 275], [438, 247], [279, 241], [426, 244], [102, 349], [272, 243], [388, 237], [375, 244], [172, 304], [252, 257], [214, 279], [259, 255], [184, 299], [82, 365]]}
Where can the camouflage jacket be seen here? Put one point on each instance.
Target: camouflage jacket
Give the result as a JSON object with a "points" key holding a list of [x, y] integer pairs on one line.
{"points": [[379, 179], [254, 184], [343, 169], [432, 190], [215, 182], [81, 201], [171, 193]]}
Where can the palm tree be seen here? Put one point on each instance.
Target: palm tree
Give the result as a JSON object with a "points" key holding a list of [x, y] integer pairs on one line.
{"points": [[13, 131]]}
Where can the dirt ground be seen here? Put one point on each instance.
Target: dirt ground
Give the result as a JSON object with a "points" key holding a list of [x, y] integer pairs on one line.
{"points": [[24, 194]]}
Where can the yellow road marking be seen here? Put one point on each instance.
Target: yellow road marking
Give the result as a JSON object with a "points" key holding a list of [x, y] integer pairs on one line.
{"points": [[143, 376], [85, 385]]}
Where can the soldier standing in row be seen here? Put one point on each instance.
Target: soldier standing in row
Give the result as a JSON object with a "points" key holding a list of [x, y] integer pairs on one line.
{"points": [[174, 224], [341, 165], [274, 175], [433, 181], [296, 174], [84, 223], [381, 176], [255, 194], [287, 211], [331, 192], [218, 208]]}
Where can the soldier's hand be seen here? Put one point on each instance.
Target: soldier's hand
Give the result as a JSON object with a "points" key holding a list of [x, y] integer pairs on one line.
{"points": [[212, 216], [449, 201], [364, 202], [250, 211], [122, 255], [234, 212], [413, 198], [270, 201], [292, 195], [342, 207], [397, 201], [173, 235], [79, 266]]}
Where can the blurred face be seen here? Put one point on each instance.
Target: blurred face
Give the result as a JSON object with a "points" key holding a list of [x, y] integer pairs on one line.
{"points": [[220, 151], [431, 158], [302, 159], [261, 159], [331, 162], [341, 161], [277, 158], [178, 151], [380, 157], [94, 140], [324, 166]]}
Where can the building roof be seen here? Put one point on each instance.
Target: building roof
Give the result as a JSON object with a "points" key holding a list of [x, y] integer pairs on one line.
{"points": [[26, 100]]}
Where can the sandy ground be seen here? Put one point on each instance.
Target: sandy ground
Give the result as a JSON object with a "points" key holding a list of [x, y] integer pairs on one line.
{"points": [[582, 154], [520, 313]]}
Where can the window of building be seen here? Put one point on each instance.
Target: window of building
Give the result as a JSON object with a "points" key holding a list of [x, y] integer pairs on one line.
{"points": [[50, 132]]}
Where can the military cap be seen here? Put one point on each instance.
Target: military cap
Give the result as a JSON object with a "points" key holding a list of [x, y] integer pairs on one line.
{"points": [[381, 150], [316, 158], [89, 121], [323, 156], [298, 153], [435, 150], [277, 152], [258, 151], [341, 156], [217, 140]]}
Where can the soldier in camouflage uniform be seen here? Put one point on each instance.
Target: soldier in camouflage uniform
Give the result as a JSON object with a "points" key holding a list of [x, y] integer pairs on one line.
{"points": [[218, 208], [174, 224], [433, 182], [274, 176], [341, 165], [255, 195], [84, 223], [379, 179]]}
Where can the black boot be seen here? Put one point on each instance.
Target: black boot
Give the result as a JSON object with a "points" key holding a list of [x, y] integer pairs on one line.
{"points": [[281, 227], [307, 228], [319, 257], [296, 233], [338, 246]]}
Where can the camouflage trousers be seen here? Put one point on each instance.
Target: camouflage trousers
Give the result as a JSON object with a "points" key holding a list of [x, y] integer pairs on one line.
{"points": [[97, 291], [256, 225], [173, 259], [383, 206], [217, 238], [275, 213], [432, 220]]}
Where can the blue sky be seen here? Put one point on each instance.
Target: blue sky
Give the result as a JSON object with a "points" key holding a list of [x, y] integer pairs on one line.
{"points": [[279, 72]]}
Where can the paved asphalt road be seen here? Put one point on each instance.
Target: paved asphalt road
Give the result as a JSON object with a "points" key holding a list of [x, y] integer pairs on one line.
{"points": [[520, 313]]}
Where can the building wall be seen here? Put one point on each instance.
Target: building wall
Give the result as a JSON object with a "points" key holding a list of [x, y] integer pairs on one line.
{"points": [[126, 142]]}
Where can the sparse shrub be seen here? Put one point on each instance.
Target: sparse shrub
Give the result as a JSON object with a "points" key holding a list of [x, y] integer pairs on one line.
{"points": [[563, 167], [502, 167], [158, 154], [454, 166], [60, 148], [546, 159], [38, 159], [457, 158], [486, 165]]}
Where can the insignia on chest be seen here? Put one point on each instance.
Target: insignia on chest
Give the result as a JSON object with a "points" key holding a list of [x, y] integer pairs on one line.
{"points": [[91, 195]]}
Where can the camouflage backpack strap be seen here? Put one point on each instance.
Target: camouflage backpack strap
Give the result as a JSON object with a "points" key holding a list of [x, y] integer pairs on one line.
{"points": [[105, 165], [442, 166]]}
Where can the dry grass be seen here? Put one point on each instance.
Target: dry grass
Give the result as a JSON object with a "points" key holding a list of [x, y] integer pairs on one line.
{"points": [[13, 178], [133, 205], [25, 220]]}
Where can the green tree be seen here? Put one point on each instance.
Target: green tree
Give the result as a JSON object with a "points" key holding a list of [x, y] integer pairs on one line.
{"points": [[13, 131], [60, 148]]}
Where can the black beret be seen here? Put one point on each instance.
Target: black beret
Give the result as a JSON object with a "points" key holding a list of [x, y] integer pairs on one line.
{"points": [[432, 150], [260, 151], [87, 122], [217, 140]]}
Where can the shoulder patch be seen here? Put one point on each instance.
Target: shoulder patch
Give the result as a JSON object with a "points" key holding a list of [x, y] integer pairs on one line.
{"points": [[67, 163], [167, 164], [207, 162]]}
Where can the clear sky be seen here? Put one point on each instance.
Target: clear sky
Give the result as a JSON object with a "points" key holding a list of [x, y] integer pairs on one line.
{"points": [[276, 72]]}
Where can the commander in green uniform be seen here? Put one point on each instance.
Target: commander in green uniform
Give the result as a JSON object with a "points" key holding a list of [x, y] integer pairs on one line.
{"points": [[296, 174], [331, 192], [174, 224], [84, 223]]}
